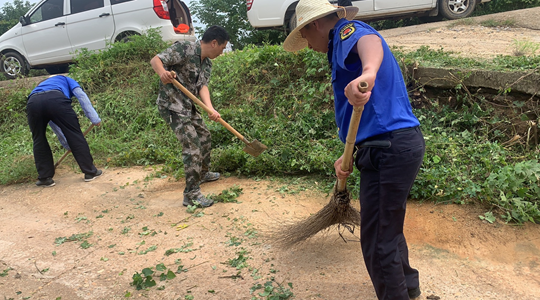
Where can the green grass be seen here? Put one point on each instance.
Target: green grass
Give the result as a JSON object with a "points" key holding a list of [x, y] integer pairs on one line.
{"points": [[285, 101], [498, 23]]}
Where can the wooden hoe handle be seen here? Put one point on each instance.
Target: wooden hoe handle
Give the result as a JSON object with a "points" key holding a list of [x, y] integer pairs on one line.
{"points": [[208, 110], [351, 137]]}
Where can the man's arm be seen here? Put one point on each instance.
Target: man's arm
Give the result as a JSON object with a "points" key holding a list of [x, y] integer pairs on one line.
{"points": [[59, 135], [204, 93], [164, 75], [87, 107], [370, 51]]}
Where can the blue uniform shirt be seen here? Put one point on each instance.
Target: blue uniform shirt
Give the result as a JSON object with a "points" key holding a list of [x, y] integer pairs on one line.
{"points": [[388, 108], [61, 83]]}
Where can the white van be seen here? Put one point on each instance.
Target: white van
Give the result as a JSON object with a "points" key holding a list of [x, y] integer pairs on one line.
{"points": [[263, 14], [52, 31]]}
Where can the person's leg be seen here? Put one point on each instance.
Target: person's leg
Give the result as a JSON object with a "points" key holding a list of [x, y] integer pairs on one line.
{"points": [[205, 140], [414, 141], [191, 153], [374, 226], [386, 178], [206, 148], [38, 120], [66, 118]]}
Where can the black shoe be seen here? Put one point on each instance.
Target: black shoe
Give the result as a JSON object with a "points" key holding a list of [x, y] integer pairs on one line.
{"points": [[88, 177], [414, 293], [45, 182]]}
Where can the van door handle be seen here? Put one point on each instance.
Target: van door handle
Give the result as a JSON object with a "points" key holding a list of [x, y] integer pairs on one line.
{"points": [[60, 24], [104, 15]]}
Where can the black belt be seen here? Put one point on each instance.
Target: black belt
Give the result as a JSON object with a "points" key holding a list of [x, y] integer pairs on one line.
{"points": [[380, 140], [374, 144], [46, 92]]}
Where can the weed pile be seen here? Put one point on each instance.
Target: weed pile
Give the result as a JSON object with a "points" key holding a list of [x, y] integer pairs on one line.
{"points": [[285, 101]]}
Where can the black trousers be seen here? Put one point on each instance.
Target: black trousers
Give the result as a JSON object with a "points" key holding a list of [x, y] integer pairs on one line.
{"points": [[386, 178], [54, 106]]}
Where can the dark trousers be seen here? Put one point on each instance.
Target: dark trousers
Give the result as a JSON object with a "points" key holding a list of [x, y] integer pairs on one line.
{"points": [[387, 175], [196, 140], [54, 106]]}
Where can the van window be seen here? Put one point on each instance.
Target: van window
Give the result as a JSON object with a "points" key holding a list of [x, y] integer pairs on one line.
{"points": [[113, 2], [48, 10], [78, 6]]}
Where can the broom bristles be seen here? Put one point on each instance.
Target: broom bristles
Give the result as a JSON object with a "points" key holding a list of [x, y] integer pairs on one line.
{"points": [[337, 212]]}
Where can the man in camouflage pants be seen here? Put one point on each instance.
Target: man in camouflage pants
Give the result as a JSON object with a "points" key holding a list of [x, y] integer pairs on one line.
{"points": [[191, 62]]}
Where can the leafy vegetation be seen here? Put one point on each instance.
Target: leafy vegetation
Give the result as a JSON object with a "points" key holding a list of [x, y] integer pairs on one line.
{"points": [[270, 292], [5, 272], [232, 15], [228, 195], [479, 147], [10, 13], [240, 261], [504, 5], [145, 279], [74, 238]]}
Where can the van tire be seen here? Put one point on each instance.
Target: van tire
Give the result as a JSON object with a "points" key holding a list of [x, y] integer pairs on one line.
{"points": [[13, 65], [456, 9], [126, 37], [292, 23]]}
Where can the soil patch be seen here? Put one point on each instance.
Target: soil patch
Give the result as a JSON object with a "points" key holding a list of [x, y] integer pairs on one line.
{"points": [[126, 223], [469, 38]]}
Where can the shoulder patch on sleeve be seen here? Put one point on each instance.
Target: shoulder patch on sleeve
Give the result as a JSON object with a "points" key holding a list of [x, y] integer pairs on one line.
{"points": [[347, 31]]}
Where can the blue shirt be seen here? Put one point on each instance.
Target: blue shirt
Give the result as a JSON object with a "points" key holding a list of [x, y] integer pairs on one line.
{"points": [[388, 108], [61, 83]]}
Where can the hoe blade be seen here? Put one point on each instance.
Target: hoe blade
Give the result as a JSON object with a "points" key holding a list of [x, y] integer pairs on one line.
{"points": [[254, 148]]}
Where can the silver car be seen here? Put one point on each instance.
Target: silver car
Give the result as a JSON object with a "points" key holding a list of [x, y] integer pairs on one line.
{"points": [[49, 35]]}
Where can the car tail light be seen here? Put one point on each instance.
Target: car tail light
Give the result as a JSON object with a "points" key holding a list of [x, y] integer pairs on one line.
{"points": [[161, 9], [249, 4]]}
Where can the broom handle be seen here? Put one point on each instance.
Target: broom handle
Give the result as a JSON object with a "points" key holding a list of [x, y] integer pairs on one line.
{"points": [[208, 110], [351, 137], [69, 151]]}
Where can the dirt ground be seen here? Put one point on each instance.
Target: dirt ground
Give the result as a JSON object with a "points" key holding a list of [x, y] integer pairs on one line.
{"points": [[469, 38], [81, 240], [134, 222]]}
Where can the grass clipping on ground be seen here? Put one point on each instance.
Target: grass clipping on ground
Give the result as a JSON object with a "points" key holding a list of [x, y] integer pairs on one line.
{"points": [[337, 212]]}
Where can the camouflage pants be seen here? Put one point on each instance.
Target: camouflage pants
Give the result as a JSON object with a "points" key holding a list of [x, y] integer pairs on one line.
{"points": [[191, 131]]}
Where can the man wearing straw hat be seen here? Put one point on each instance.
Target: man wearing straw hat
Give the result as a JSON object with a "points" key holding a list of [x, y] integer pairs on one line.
{"points": [[390, 146]]}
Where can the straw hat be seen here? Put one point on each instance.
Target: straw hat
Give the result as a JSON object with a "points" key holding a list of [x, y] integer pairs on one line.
{"points": [[308, 11]]}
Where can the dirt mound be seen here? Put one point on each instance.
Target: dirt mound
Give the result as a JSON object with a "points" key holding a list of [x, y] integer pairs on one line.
{"points": [[469, 38]]}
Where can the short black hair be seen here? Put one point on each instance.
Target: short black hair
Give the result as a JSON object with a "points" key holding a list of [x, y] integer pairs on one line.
{"points": [[217, 33]]}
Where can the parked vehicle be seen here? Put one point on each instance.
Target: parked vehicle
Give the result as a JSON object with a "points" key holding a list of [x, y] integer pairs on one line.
{"points": [[51, 32], [264, 14]]}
